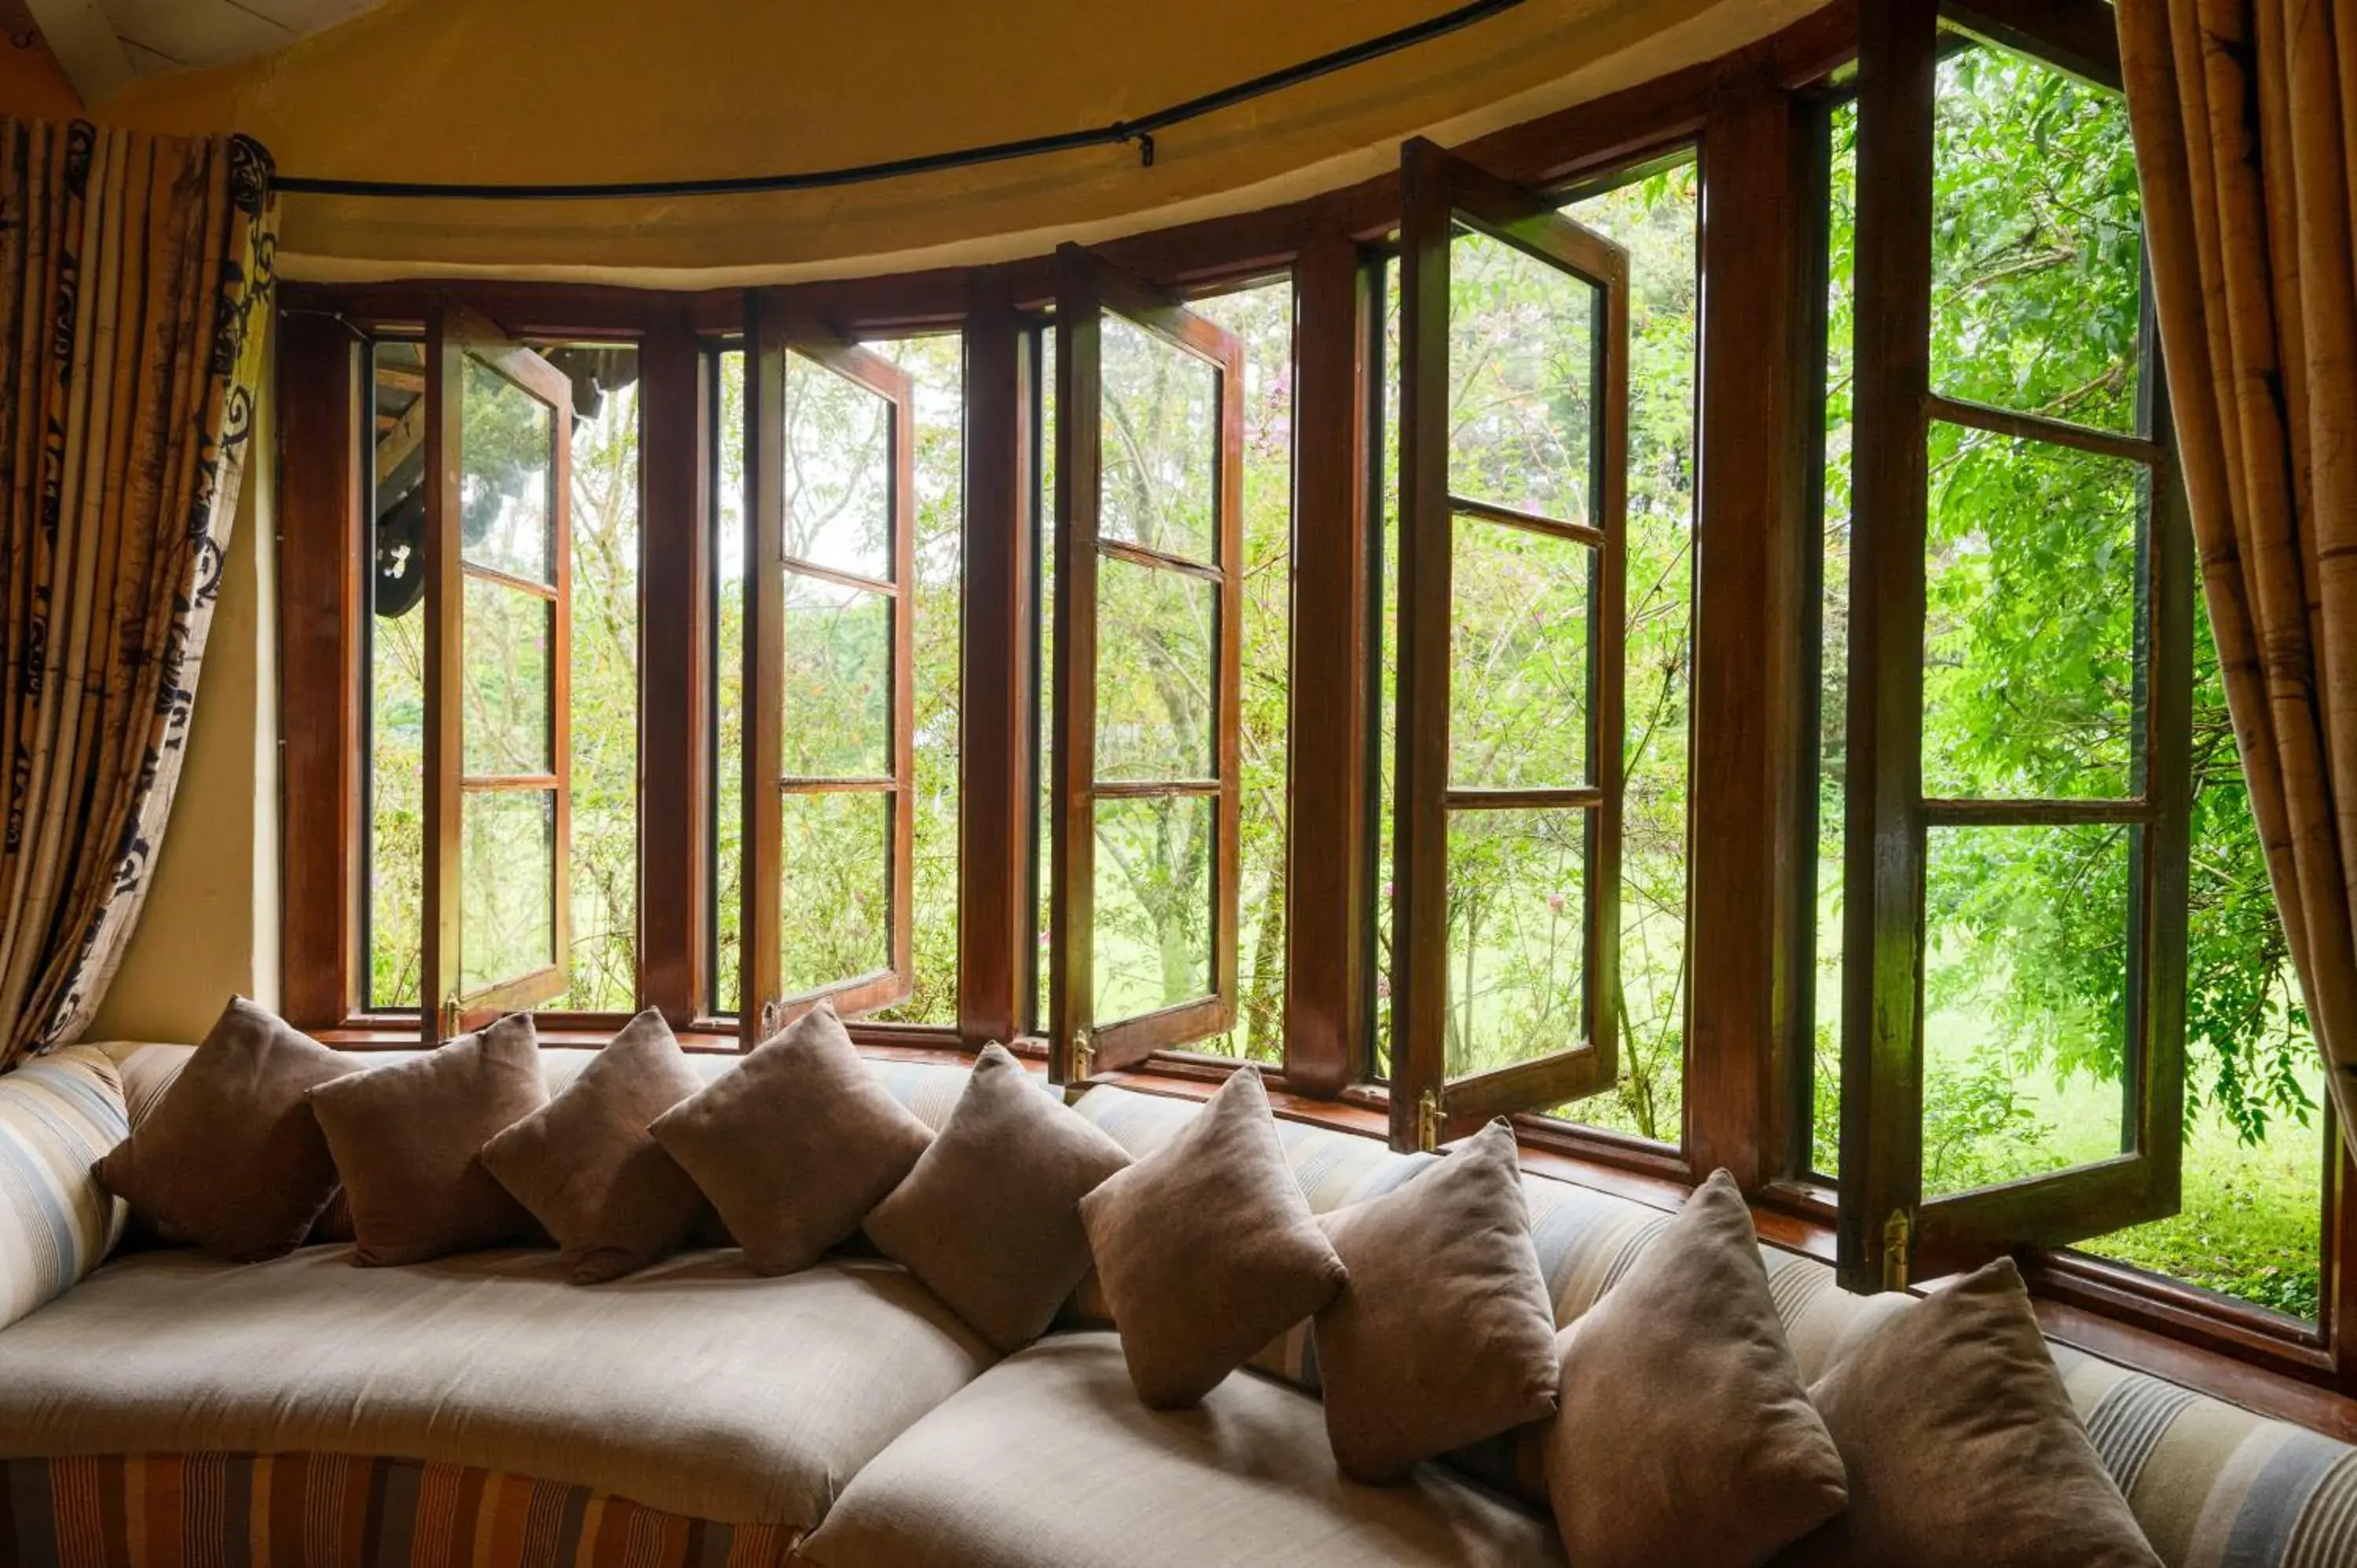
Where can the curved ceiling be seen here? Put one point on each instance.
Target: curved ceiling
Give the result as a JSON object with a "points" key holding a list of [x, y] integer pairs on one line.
{"points": [[611, 90]]}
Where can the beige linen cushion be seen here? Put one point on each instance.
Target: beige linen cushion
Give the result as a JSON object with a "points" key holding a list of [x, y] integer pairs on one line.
{"points": [[589, 1171], [409, 1140], [1445, 1335], [1684, 1438], [1206, 1249], [796, 1145], [1963, 1447], [231, 1158], [990, 1217]]}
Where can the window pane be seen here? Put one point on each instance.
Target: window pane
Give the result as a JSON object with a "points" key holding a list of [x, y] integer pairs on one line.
{"points": [[1043, 516], [1153, 903], [2024, 1000], [2030, 684], [508, 883], [838, 472], [397, 684], [838, 680], [835, 884], [1519, 671], [1517, 944], [1522, 396], [1160, 464], [1832, 643], [508, 654], [1155, 669], [728, 680], [2037, 239], [507, 476]]}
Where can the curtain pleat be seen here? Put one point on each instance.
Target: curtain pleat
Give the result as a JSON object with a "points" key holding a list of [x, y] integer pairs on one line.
{"points": [[2246, 142], [136, 274]]}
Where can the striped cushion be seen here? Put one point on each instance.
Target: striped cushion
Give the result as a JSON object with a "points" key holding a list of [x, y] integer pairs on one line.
{"points": [[321, 1510], [58, 1113]]}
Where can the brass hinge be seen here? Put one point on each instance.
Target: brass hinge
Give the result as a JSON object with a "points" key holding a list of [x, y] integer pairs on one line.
{"points": [[1084, 1053], [1427, 1121], [451, 1017], [1894, 1251]]}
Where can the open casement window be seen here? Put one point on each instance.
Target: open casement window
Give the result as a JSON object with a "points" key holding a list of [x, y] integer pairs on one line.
{"points": [[1144, 797], [829, 809], [1506, 977], [2020, 647], [498, 816]]}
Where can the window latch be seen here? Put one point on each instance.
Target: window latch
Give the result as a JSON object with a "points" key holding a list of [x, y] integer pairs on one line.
{"points": [[451, 1017], [1084, 1053], [1894, 1251], [1427, 1121]]}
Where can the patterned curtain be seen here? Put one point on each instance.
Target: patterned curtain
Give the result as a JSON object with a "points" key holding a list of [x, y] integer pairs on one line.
{"points": [[2245, 124], [134, 285]]}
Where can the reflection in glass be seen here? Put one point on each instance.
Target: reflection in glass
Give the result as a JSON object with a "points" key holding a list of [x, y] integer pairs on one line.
{"points": [[838, 680], [2024, 927], [835, 892], [507, 636], [1518, 658], [1522, 396], [1155, 672], [507, 877], [838, 472], [1517, 937], [2029, 669], [1153, 903], [507, 476], [1160, 476]]}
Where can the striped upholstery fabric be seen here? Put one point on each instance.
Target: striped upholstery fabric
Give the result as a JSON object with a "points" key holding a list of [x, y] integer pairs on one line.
{"points": [[57, 1114], [320, 1511], [2213, 1486]]}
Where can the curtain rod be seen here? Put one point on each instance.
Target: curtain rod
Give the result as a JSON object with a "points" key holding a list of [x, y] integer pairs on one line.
{"points": [[1140, 130]]}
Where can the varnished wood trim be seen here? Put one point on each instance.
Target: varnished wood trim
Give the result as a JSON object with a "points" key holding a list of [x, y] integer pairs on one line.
{"points": [[2052, 431], [1529, 521], [674, 693]]}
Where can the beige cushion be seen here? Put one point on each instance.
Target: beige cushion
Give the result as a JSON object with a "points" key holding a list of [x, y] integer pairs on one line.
{"points": [[1685, 1439], [408, 1140], [1445, 1335], [1961, 1445], [990, 1217], [230, 1158], [589, 1171], [1206, 1248], [1049, 1461], [692, 1386], [796, 1145]]}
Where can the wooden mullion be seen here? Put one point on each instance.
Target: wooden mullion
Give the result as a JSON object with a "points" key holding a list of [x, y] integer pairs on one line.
{"points": [[760, 960], [1071, 967], [1228, 708], [1162, 561], [1950, 814], [1607, 656], [901, 392], [2039, 428], [1539, 1085], [841, 579], [479, 783], [1544, 798], [1529, 521], [547, 592], [675, 622]]}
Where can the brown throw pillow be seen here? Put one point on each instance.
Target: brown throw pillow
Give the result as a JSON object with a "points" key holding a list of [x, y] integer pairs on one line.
{"points": [[1963, 1447], [989, 1220], [1445, 1335], [795, 1146], [1685, 1438], [409, 1140], [589, 1171], [1206, 1249], [231, 1157]]}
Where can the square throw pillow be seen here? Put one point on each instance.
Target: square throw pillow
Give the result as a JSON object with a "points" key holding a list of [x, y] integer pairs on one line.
{"points": [[409, 1140], [1684, 1438], [589, 1171], [796, 1145], [231, 1158], [1445, 1334], [1206, 1248], [989, 1220], [1961, 1445]]}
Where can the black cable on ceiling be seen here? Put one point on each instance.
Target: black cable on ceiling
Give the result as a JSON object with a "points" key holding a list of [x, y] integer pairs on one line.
{"points": [[1140, 130]]}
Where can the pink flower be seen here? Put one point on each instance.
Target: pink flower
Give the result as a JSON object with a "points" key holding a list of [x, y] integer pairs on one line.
{"points": [[1387, 889], [1554, 902]]}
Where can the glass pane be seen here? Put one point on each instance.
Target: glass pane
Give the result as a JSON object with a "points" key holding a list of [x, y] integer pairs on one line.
{"points": [[728, 680], [1160, 483], [1155, 672], [507, 476], [1517, 937], [2031, 679], [1386, 719], [834, 885], [507, 875], [507, 636], [1521, 395], [2024, 1000], [838, 680], [1518, 657], [1043, 672], [1153, 903], [1832, 643], [2036, 241], [396, 691], [838, 472]]}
